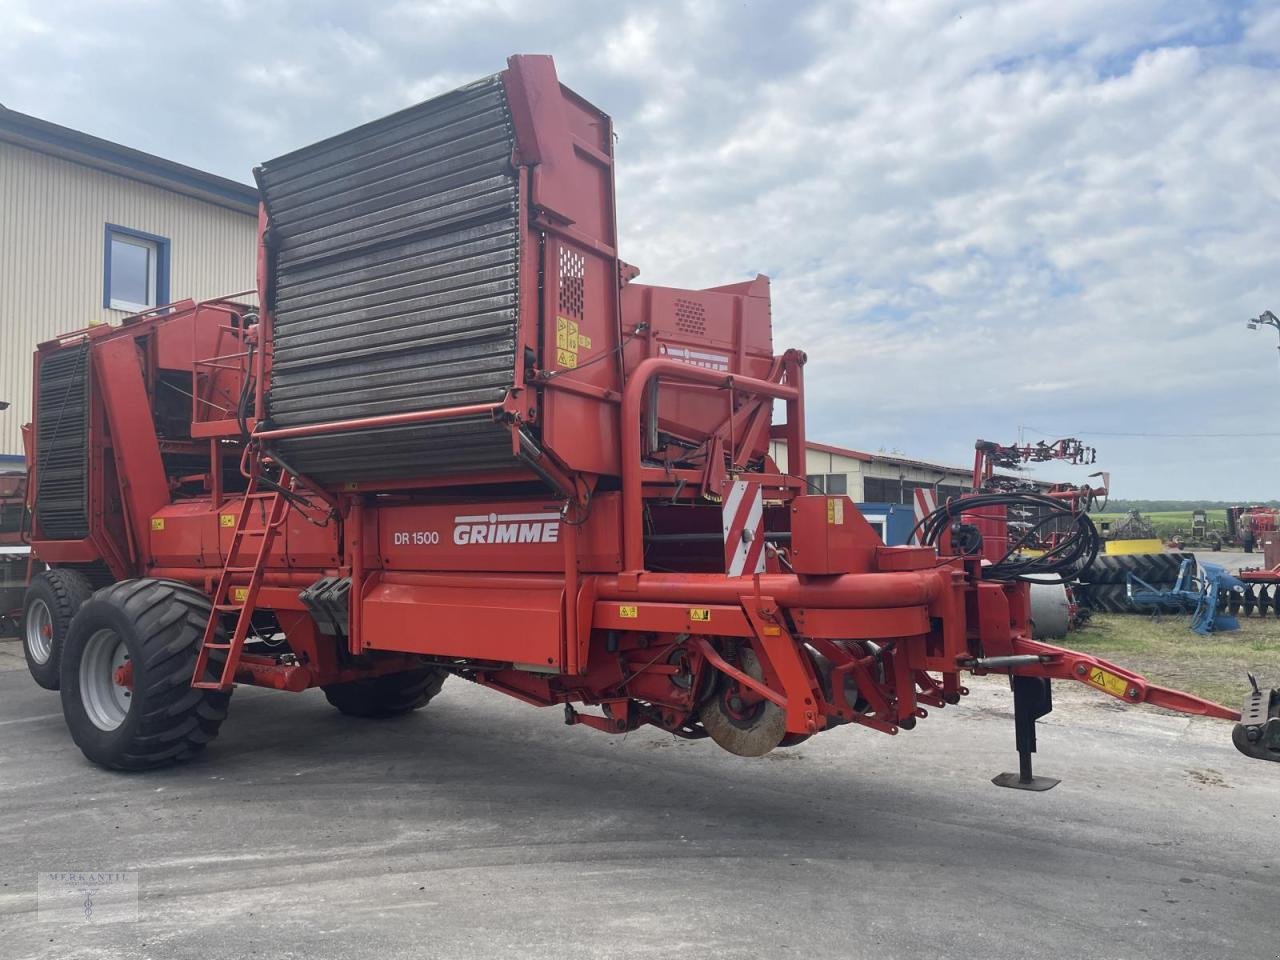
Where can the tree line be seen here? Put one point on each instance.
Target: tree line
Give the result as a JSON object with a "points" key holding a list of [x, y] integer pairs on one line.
{"points": [[1166, 506]]}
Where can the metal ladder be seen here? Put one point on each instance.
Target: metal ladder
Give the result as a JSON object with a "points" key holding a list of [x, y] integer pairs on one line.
{"points": [[239, 600]]}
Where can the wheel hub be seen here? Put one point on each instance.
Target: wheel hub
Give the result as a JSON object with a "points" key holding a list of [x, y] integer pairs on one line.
{"points": [[106, 680], [39, 631]]}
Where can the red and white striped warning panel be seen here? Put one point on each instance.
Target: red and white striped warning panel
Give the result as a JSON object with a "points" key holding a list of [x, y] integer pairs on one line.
{"points": [[926, 502], [743, 518]]}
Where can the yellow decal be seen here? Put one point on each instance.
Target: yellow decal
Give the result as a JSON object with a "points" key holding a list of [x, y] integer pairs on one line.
{"points": [[1105, 680], [226, 519], [568, 342], [157, 523], [628, 613], [699, 613], [239, 594], [835, 511]]}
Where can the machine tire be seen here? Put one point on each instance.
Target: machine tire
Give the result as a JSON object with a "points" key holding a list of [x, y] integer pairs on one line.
{"points": [[1157, 569], [51, 601], [158, 626], [390, 695], [1106, 598]]}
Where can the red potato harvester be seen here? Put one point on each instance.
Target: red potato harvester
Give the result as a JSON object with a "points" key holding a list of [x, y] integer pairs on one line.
{"points": [[458, 438]]}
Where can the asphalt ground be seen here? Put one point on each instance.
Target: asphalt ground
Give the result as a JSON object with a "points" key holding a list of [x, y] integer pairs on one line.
{"points": [[481, 827]]}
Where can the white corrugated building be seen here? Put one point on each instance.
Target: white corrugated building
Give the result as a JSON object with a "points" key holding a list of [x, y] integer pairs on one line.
{"points": [[874, 477], [91, 232]]}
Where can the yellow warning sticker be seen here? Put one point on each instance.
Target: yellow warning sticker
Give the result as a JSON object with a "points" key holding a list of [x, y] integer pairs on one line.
{"points": [[1108, 681], [700, 614], [628, 613], [835, 511], [157, 523], [226, 519], [239, 594], [569, 340]]}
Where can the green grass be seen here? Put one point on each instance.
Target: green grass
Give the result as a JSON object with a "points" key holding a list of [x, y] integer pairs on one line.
{"points": [[1168, 653], [1166, 522]]}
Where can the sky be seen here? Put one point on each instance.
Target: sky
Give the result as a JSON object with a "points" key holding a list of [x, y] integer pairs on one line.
{"points": [[982, 220]]}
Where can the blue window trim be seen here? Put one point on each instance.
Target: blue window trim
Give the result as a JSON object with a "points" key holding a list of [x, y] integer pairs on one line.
{"points": [[162, 262]]}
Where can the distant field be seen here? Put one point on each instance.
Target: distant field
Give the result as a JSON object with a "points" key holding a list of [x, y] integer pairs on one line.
{"points": [[1169, 521]]}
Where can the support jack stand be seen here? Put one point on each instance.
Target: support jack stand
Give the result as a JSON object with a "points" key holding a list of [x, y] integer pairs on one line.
{"points": [[1032, 699]]}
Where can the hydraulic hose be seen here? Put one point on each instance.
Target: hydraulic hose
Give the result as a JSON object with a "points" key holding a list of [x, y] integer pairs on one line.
{"points": [[1060, 564]]}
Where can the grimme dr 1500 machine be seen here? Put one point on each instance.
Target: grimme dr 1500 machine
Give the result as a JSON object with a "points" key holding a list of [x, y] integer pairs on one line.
{"points": [[457, 438]]}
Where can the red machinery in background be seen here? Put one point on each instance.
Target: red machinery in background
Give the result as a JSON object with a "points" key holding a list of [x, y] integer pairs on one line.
{"points": [[457, 438], [1043, 527], [1247, 526], [15, 555]]}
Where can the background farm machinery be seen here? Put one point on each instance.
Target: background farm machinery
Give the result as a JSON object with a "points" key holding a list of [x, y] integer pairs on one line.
{"points": [[1246, 526], [456, 437], [15, 555]]}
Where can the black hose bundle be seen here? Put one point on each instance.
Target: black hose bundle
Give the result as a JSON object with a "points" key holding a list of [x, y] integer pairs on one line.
{"points": [[1074, 551]]}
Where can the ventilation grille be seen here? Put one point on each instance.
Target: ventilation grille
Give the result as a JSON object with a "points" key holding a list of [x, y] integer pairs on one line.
{"points": [[62, 444], [691, 317], [396, 287], [573, 268]]}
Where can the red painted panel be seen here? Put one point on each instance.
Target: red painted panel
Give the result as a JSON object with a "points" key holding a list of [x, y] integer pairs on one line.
{"points": [[488, 618], [512, 535], [861, 624], [828, 536]]}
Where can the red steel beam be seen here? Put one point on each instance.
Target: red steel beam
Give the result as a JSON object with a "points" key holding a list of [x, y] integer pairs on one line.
{"points": [[914, 588], [632, 401], [372, 423]]}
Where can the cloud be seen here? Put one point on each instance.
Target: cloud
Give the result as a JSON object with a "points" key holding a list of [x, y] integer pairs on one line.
{"points": [[977, 216]]}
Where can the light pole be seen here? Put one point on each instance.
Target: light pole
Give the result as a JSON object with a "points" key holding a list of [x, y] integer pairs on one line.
{"points": [[1265, 319]]}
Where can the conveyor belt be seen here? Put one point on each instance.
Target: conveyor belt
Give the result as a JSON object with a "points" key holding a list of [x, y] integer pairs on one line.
{"points": [[62, 444], [396, 287]]}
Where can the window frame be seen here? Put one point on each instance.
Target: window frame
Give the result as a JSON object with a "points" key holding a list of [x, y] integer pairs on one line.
{"points": [[157, 274]]}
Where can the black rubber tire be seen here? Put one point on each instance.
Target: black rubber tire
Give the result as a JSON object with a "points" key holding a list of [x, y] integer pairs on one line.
{"points": [[389, 695], [1157, 569], [161, 623], [62, 592], [1106, 598]]}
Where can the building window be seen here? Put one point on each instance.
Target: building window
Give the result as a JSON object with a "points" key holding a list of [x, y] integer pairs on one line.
{"points": [[136, 270], [881, 490], [836, 484]]}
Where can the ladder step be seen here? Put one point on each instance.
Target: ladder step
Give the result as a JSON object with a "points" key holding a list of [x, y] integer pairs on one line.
{"points": [[254, 532], [239, 569], [228, 607]]}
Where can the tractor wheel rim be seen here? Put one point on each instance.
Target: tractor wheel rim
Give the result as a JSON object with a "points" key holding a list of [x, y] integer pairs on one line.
{"points": [[39, 631], [105, 701]]}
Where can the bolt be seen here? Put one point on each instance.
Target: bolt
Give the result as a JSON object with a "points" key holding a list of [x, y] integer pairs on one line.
{"points": [[1133, 693], [1081, 669]]}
